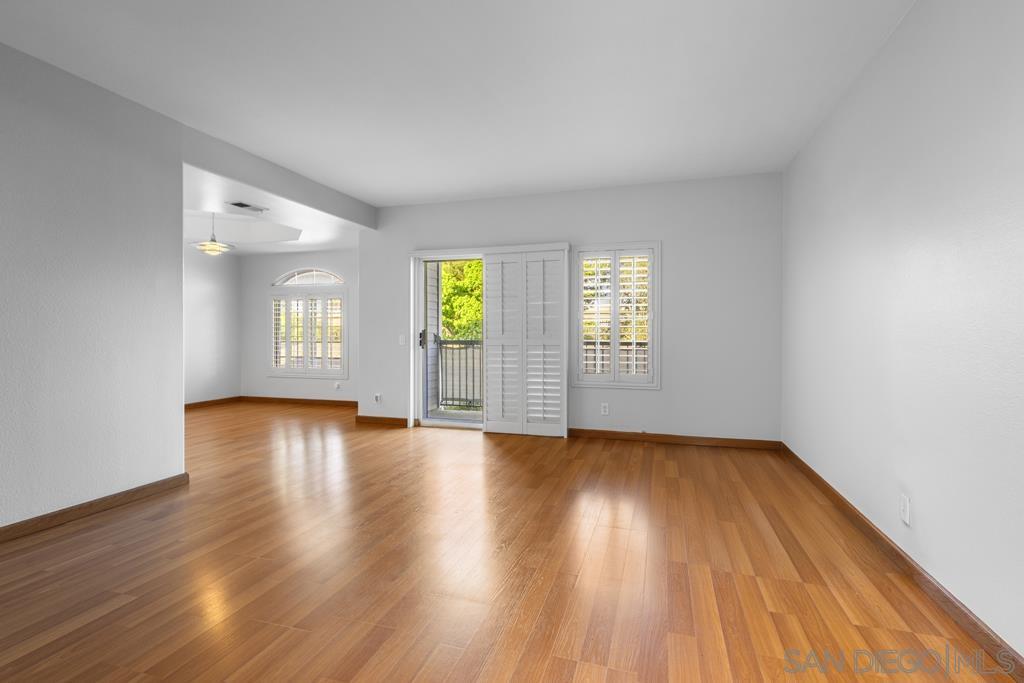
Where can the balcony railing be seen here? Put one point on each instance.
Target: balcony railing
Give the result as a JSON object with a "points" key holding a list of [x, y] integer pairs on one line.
{"points": [[460, 367], [461, 370]]}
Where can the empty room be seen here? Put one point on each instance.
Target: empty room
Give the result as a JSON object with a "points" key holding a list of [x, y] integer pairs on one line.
{"points": [[665, 340]]}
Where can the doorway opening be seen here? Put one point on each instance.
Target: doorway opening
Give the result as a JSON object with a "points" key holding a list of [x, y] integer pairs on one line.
{"points": [[452, 341]]}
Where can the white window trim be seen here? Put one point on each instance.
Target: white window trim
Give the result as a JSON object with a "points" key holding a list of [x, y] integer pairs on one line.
{"points": [[614, 381], [282, 281], [288, 292]]}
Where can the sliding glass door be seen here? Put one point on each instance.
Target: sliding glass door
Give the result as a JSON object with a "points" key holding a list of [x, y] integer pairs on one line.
{"points": [[451, 340]]}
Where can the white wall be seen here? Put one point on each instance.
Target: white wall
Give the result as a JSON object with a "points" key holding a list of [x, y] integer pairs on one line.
{"points": [[91, 273], [720, 295], [904, 299], [90, 270], [258, 272], [213, 316]]}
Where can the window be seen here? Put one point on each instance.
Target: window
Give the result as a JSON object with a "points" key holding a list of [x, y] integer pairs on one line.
{"points": [[308, 276], [616, 330], [307, 330]]}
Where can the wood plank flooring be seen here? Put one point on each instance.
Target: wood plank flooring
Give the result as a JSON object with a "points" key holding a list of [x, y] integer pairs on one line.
{"points": [[310, 548]]}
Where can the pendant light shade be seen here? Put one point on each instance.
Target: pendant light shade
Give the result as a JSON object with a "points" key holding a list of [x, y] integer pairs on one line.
{"points": [[212, 247]]}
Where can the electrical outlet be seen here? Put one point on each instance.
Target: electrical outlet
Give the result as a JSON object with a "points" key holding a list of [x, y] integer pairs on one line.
{"points": [[337, 386], [401, 340], [378, 398], [905, 508], [604, 409]]}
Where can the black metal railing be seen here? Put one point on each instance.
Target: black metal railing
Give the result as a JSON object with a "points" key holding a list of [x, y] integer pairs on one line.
{"points": [[461, 370]]}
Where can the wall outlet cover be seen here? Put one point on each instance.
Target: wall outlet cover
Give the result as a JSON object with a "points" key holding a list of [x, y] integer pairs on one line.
{"points": [[905, 508]]}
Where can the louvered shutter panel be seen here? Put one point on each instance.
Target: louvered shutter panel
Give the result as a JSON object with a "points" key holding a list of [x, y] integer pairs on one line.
{"points": [[595, 310], [545, 335], [279, 327], [503, 343], [307, 334]]}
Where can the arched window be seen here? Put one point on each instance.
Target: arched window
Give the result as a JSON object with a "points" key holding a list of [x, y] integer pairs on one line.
{"points": [[308, 335], [305, 277]]}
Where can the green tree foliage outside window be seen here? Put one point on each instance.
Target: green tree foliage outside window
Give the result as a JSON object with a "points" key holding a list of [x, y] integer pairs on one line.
{"points": [[462, 299]]}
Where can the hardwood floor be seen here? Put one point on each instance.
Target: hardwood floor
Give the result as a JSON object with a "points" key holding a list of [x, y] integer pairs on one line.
{"points": [[312, 548]]}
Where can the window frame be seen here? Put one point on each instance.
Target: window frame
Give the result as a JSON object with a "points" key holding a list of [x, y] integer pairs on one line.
{"points": [[289, 293], [614, 251], [283, 281]]}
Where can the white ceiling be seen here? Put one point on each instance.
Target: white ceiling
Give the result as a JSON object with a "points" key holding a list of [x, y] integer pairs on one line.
{"points": [[285, 226], [409, 101]]}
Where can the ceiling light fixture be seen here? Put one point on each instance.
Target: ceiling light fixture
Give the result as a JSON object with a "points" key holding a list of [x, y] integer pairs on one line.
{"points": [[212, 247]]}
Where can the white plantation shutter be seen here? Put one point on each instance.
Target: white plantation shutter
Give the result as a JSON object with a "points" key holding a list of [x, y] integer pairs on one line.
{"points": [[595, 351], [616, 333], [525, 343], [296, 335], [545, 347], [279, 327], [503, 343], [307, 335], [634, 315], [335, 327], [314, 333]]}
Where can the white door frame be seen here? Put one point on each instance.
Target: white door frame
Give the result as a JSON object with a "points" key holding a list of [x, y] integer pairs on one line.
{"points": [[417, 411], [417, 314]]}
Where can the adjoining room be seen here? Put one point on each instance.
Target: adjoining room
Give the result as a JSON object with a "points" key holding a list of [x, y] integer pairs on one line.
{"points": [[271, 295]]}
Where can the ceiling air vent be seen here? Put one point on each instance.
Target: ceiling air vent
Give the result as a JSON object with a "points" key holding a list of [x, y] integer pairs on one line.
{"points": [[245, 206]]}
